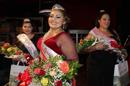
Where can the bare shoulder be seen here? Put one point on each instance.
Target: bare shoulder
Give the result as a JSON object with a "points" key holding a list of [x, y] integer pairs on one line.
{"points": [[89, 36]]}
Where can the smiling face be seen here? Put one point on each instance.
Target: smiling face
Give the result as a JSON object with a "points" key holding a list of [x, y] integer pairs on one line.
{"points": [[27, 28], [56, 19], [104, 21]]}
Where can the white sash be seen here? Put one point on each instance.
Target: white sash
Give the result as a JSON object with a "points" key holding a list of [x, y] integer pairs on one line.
{"points": [[101, 37], [48, 52], [28, 44], [106, 40]]}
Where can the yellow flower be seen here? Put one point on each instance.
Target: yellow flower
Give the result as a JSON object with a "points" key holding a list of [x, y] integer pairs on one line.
{"points": [[9, 49], [44, 81], [3, 49]]}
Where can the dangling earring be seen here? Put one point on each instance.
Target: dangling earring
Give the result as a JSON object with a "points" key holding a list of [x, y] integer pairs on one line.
{"points": [[64, 26]]}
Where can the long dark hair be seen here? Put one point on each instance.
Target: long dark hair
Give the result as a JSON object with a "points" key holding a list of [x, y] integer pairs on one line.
{"points": [[99, 16]]}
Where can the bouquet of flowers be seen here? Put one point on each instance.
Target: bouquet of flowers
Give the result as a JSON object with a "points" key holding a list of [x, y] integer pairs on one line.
{"points": [[9, 50], [117, 48], [13, 52], [86, 43], [53, 72]]}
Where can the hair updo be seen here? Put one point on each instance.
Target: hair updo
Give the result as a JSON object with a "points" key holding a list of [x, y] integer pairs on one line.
{"points": [[63, 11]]}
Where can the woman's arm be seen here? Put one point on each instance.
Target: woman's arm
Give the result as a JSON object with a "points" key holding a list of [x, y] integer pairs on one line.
{"points": [[97, 46], [68, 47]]}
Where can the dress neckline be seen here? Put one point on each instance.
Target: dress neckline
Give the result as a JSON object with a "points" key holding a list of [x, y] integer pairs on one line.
{"points": [[107, 35], [54, 36]]}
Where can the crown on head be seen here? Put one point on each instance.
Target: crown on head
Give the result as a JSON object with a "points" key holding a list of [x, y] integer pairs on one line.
{"points": [[58, 7], [102, 11], [26, 20]]}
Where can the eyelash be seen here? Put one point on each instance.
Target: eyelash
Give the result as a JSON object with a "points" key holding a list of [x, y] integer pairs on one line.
{"points": [[53, 16]]}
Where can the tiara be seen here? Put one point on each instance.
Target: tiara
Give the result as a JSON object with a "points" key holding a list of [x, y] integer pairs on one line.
{"points": [[102, 11], [26, 20], [58, 7]]}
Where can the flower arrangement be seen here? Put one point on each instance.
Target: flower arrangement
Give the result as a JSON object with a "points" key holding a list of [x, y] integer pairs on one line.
{"points": [[85, 43], [53, 72], [114, 44], [13, 52], [9, 50], [118, 48]]}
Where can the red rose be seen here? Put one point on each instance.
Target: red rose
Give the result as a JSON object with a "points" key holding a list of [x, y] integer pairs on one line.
{"points": [[28, 57], [64, 66], [58, 83], [6, 45], [30, 62], [22, 84], [120, 46], [114, 44], [25, 77], [39, 71]]}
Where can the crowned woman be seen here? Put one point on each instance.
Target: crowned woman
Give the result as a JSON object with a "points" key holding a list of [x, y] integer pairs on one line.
{"points": [[57, 42]]}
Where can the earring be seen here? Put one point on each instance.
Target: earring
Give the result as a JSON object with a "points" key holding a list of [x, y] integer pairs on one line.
{"points": [[63, 26]]}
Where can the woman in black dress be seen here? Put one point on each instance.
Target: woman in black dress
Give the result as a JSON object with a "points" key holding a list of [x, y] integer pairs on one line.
{"points": [[27, 29], [101, 60]]}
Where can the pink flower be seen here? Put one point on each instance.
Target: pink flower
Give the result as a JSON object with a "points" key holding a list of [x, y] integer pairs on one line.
{"points": [[64, 66], [39, 71], [47, 66]]}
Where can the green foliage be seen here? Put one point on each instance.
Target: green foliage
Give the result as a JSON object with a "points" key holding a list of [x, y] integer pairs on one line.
{"points": [[84, 44], [55, 62]]}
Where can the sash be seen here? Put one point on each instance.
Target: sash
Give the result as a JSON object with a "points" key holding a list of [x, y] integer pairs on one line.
{"points": [[28, 44], [102, 37], [47, 52]]}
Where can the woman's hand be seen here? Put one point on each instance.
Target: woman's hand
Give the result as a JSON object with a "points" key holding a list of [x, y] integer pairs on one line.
{"points": [[124, 53], [100, 46], [14, 57], [97, 46]]}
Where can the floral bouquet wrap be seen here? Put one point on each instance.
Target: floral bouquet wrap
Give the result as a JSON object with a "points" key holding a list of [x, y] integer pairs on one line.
{"points": [[86, 43], [53, 72]]}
